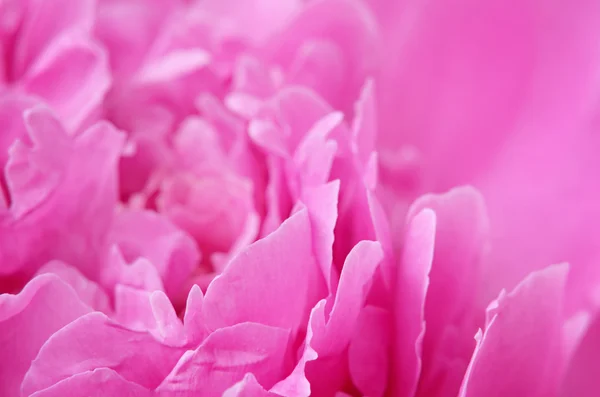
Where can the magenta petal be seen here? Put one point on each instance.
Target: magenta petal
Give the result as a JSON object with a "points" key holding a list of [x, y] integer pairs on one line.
{"points": [[321, 203], [412, 282], [522, 340], [248, 387], [93, 341], [72, 76], [44, 222], [355, 281], [27, 320], [103, 382], [275, 281], [581, 378], [296, 384], [368, 357], [451, 306], [225, 356], [144, 234], [43, 22], [89, 292]]}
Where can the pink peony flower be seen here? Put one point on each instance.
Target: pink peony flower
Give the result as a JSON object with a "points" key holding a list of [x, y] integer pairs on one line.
{"points": [[299, 198]]}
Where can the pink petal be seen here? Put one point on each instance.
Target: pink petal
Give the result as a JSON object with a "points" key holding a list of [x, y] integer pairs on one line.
{"points": [[275, 281], [93, 341], [581, 378], [43, 22], [88, 292], [72, 76], [44, 222], [321, 203], [333, 328], [349, 25], [356, 278], [12, 108], [364, 126], [127, 28], [140, 273], [521, 340], [225, 356], [412, 283], [27, 320], [452, 297], [296, 384], [247, 387], [193, 318], [253, 20], [102, 382], [144, 234], [368, 357]]}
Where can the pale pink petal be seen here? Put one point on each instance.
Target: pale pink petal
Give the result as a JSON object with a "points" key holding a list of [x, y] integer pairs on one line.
{"points": [[27, 320], [93, 341], [102, 382], [225, 356], [275, 281], [522, 340], [412, 283], [368, 353], [213, 206]]}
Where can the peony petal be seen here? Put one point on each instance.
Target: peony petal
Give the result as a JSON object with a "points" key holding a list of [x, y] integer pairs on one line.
{"points": [[193, 318], [44, 222], [27, 320], [348, 24], [225, 356], [321, 202], [93, 341], [43, 22], [253, 20], [521, 340], [88, 292], [412, 283], [144, 234], [451, 304], [368, 357], [296, 384], [581, 378], [247, 387], [101, 382], [275, 281], [72, 76], [355, 281]]}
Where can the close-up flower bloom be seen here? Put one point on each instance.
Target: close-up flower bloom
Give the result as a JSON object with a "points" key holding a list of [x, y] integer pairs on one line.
{"points": [[293, 198]]}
